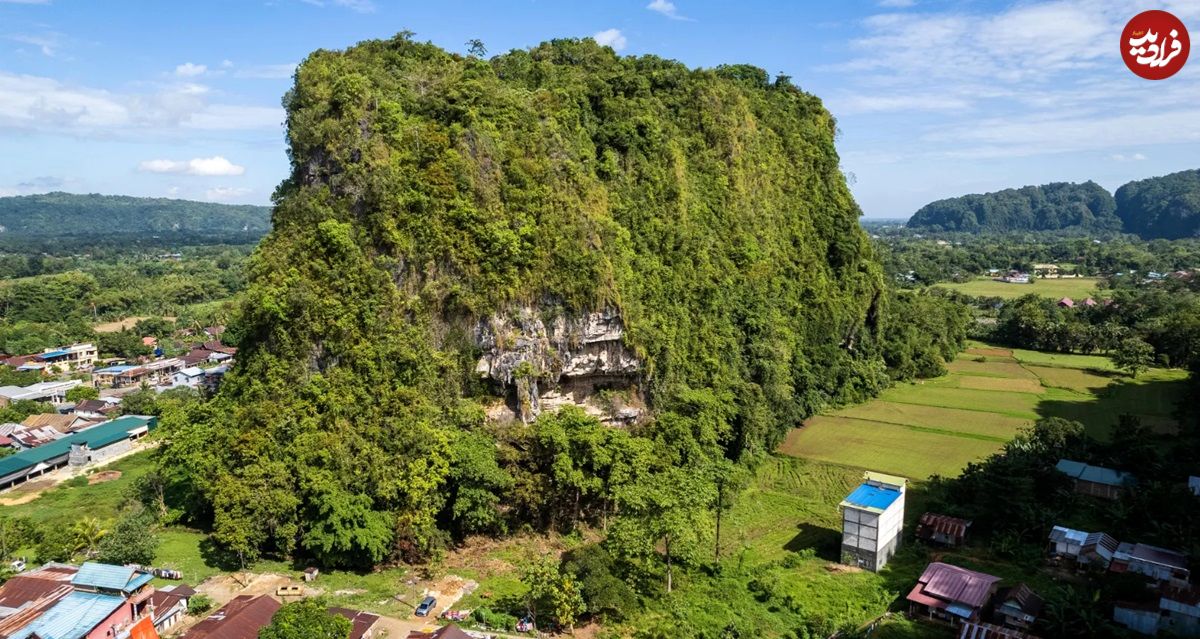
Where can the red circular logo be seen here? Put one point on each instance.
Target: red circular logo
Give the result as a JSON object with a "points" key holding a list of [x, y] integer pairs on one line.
{"points": [[1155, 45]]}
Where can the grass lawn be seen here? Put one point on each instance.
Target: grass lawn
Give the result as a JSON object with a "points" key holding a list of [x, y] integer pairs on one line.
{"points": [[75, 499], [902, 450], [967, 364], [1077, 288], [1073, 379]]}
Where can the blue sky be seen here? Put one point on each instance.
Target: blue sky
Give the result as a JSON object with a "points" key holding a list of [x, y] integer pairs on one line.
{"points": [[934, 98]]}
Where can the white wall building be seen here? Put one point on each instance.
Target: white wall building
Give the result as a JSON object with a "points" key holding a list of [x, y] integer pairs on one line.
{"points": [[873, 520]]}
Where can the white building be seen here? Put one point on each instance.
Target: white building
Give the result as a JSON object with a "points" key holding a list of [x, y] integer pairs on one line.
{"points": [[873, 520], [191, 377], [51, 392]]}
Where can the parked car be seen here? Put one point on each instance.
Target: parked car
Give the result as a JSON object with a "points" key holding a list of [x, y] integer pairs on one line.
{"points": [[426, 606]]}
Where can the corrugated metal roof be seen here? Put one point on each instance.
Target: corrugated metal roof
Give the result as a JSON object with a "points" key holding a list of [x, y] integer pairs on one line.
{"points": [[873, 498], [1061, 534], [958, 585], [95, 437], [931, 523], [885, 479], [54, 354], [73, 617], [105, 576], [1094, 474], [1163, 556]]}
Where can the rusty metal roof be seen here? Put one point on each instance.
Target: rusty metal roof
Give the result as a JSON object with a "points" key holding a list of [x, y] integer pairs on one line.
{"points": [[931, 523], [958, 585]]}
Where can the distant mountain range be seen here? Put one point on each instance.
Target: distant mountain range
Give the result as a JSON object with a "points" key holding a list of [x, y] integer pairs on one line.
{"points": [[1160, 207], [68, 214]]}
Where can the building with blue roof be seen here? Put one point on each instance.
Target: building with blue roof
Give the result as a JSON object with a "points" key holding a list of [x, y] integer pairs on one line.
{"points": [[873, 520], [1096, 481], [77, 615]]}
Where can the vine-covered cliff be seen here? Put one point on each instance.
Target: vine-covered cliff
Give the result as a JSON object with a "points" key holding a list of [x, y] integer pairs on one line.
{"points": [[459, 234]]}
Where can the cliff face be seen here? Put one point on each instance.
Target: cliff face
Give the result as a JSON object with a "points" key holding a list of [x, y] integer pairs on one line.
{"points": [[692, 228], [531, 355]]}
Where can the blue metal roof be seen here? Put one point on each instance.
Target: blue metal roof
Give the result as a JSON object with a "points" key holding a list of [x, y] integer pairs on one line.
{"points": [[115, 369], [106, 576], [872, 497], [1094, 474], [73, 617], [53, 354]]}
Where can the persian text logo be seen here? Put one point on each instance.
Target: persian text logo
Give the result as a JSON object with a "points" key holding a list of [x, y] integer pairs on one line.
{"points": [[1155, 45]]}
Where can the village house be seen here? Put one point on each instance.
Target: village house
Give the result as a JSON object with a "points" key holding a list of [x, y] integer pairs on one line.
{"points": [[77, 450], [190, 377], [1066, 302], [64, 424], [1096, 481], [1161, 564], [1085, 549], [156, 373], [96, 409], [241, 618], [1016, 277], [214, 376], [1174, 610], [103, 601], [942, 529], [873, 520], [47, 392], [951, 594], [362, 624], [69, 358], [168, 605], [449, 631], [1046, 270], [1017, 607], [980, 630]]}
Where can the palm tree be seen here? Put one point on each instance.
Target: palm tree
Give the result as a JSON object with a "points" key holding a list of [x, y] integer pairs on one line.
{"points": [[88, 533]]}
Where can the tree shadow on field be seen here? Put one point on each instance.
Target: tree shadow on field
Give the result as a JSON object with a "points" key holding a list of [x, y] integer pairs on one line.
{"points": [[827, 542], [1152, 399]]}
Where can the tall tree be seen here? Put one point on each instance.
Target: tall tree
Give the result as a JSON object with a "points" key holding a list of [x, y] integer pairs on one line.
{"points": [[307, 619]]}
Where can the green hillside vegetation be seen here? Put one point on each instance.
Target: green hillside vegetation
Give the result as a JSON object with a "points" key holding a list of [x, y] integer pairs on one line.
{"points": [[68, 214], [1162, 207], [1050, 207], [431, 190]]}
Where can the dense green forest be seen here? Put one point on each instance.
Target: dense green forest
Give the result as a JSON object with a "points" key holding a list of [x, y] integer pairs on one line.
{"points": [[67, 214], [1162, 207], [1050, 207], [51, 300], [432, 190]]}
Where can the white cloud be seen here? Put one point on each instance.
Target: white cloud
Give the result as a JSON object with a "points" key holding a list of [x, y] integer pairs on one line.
{"points": [[610, 38], [897, 4], [1120, 157], [189, 70], [215, 165], [226, 64], [43, 184], [226, 193], [47, 43], [667, 8], [267, 71], [34, 103], [361, 6], [894, 102]]}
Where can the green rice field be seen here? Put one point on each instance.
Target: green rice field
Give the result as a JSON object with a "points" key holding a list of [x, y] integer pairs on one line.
{"points": [[1074, 288], [938, 426]]}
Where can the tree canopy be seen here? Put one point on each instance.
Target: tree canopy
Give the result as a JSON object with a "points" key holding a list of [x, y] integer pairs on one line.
{"points": [[1162, 207], [1055, 206], [64, 214]]}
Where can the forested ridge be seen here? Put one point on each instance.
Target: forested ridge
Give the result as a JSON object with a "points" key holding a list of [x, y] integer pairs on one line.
{"points": [[431, 190], [68, 214], [1049, 207], [1163, 207]]}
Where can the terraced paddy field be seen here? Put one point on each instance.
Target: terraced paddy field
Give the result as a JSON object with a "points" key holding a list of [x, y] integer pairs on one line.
{"points": [[938, 426]]}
